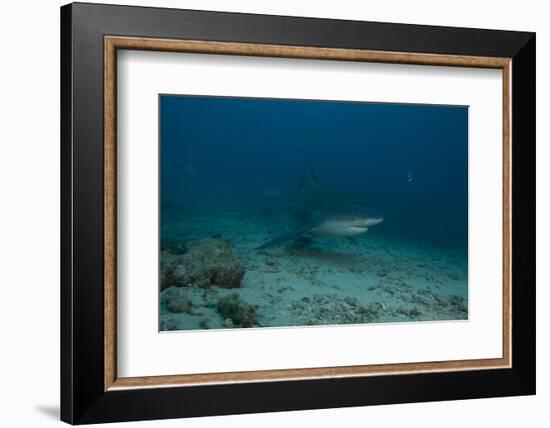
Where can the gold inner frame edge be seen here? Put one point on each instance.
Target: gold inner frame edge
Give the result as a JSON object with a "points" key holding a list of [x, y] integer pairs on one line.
{"points": [[113, 43]]}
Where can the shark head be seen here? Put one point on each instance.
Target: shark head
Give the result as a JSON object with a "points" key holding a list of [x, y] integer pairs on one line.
{"points": [[350, 219]]}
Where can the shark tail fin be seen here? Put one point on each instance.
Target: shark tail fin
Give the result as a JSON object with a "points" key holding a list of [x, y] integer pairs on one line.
{"points": [[309, 180]]}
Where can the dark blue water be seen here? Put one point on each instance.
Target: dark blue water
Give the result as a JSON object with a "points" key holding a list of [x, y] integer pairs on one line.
{"points": [[409, 162]]}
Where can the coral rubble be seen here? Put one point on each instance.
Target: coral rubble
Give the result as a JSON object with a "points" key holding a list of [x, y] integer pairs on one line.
{"points": [[205, 263]]}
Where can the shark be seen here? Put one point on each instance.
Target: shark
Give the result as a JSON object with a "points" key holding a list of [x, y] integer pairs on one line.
{"points": [[322, 212]]}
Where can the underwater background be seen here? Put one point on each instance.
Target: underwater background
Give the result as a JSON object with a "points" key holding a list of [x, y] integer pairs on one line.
{"points": [[231, 167]]}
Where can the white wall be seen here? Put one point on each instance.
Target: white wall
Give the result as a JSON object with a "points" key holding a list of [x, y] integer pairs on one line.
{"points": [[29, 243]]}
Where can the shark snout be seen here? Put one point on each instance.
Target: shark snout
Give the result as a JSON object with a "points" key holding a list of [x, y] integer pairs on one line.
{"points": [[366, 221], [373, 221]]}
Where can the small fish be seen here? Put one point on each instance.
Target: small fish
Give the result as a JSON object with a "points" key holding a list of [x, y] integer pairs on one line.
{"points": [[409, 176], [190, 170]]}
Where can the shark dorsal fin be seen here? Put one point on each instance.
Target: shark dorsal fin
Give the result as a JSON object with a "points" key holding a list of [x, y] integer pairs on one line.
{"points": [[309, 180]]}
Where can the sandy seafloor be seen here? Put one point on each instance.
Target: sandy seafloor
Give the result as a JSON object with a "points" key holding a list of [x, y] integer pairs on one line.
{"points": [[324, 282]]}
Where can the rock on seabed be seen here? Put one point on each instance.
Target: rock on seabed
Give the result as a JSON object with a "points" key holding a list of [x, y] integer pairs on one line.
{"points": [[206, 263]]}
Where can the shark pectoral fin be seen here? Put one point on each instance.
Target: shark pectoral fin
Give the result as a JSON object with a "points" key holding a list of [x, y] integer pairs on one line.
{"points": [[294, 233]]}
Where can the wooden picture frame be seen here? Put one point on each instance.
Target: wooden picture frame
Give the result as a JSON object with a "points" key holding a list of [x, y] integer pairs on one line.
{"points": [[91, 390]]}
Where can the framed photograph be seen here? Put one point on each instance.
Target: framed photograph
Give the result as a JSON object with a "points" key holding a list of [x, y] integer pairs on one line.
{"points": [[266, 213]]}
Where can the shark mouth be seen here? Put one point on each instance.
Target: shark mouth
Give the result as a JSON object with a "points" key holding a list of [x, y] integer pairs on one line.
{"points": [[339, 229]]}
